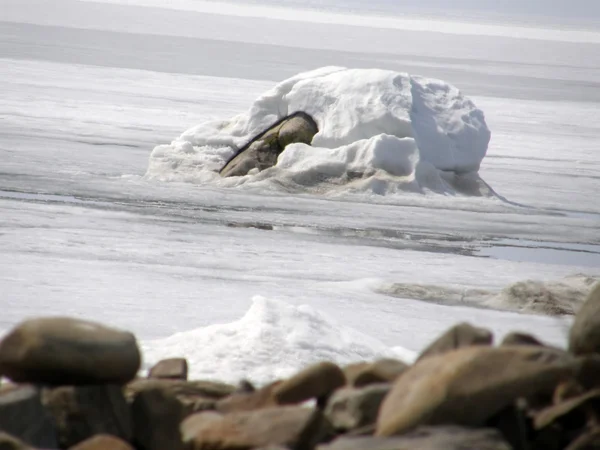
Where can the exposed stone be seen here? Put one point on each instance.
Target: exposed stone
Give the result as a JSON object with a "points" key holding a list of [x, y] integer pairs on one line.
{"points": [[426, 438], [249, 401], [352, 408], [517, 338], [381, 371], [174, 369], [297, 428], [552, 413], [103, 442], [23, 416], [468, 386], [461, 335], [81, 412], [262, 151], [198, 389], [68, 351], [156, 417], [585, 332], [587, 441], [8, 442], [316, 381]]}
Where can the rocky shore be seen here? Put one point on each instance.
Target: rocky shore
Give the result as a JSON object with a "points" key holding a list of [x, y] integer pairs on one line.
{"points": [[76, 385]]}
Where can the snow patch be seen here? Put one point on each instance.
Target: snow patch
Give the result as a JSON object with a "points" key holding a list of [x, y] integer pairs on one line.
{"points": [[272, 340], [390, 130]]}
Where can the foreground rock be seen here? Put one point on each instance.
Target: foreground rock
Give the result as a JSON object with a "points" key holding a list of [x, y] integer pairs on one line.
{"points": [[381, 371], [294, 427], [23, 416], [353, 408], [262, 151], [173, 369], [81, 412], [585, 332], [8, 442], [461, 335], [103, 442], [68, 351], [470, 385], [315, 381], [427, 438]]}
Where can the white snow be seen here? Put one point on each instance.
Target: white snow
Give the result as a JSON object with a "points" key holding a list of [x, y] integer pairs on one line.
{"points": [[372, 123], [272, 340]]}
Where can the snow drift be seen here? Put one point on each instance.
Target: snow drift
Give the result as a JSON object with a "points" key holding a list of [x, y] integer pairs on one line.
{"points": [[379, 131], [272, 340]]}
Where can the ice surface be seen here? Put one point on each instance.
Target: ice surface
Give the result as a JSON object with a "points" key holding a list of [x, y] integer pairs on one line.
{"points": [[272, 340], [373, 124]]}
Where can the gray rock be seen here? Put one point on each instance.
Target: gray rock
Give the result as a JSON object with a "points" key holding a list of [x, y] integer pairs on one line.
{"points": [[81, 412], [461, 335], [68, 351], [352, 408], [315, 381], [585, 332], [426, 438], [468, 386], [517, 338], [23, 416], [173, 368], [297, 428], [262, 151]]}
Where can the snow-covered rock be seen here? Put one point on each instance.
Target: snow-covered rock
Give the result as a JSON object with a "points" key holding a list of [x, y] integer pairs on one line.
{"points": [[404, 130]]}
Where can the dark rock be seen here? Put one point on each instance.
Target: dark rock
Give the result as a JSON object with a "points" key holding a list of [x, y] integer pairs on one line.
{"points": [[174, 369], [426, 438], [316, 381], [103, 442], [198, 389], [470, 385], [23, 416], [352, 408], [81, 412], [249, 401], [459, 336], [517, 338], [68, 351], [585, 332], [156, 417], [579, 403], [587, 441], [297, 428], [381, 371], [262, 151], [8, 442]]}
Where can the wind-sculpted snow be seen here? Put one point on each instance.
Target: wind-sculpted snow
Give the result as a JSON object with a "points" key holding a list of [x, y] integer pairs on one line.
{"points": [[379, 131], [272, 340]]}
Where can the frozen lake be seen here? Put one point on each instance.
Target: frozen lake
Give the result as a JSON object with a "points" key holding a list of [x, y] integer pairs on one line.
{"points": [[90, 88]]}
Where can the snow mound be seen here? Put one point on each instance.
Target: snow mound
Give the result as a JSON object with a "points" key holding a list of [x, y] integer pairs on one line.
{"points": [[379, 130], [273, 339], [553, 298]]}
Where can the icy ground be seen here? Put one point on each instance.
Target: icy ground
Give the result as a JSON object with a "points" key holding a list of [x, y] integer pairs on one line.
{"points": [[89, 89]]}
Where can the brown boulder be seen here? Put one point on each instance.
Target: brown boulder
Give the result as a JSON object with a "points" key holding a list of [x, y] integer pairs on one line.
{"points": [[81, 412], [23, 416], [156, 419], [68, 351], [585, 331], [103, 442], [555, 412], [318, 380], [352, 408], [297, 428], [173, 368], [381, 371], [587, 441], [468, 386], [182, 389], [426, 438], [241, 401], [461, 335], [8, 442], [517, 338], [262, 151]]}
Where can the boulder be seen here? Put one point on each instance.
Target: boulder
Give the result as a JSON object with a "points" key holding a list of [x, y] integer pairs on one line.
{"points": [[8, 442], [241, 401], [316, 381], [181, 389], [381, 371], [297, 428], [585, 331], [173, 368], [589, 440], [565, 408], [23, 416], [156, 418], [262, 151], [103, 442], [469, 385], [68, 351], [426, 438], [517, 338], [461, 335], [352, 408], [81, 412]]}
